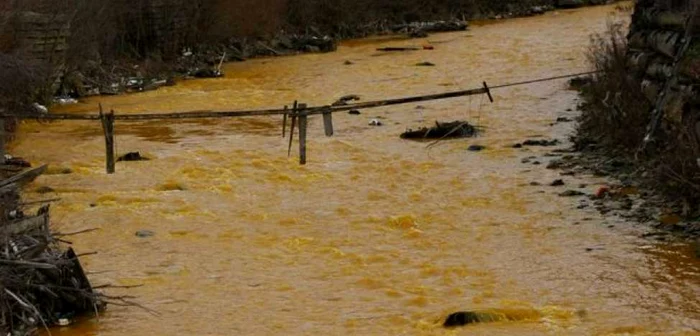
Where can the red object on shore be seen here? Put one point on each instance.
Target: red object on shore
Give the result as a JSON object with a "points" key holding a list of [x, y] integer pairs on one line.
{"points": [[428, 47], [602, 191]]}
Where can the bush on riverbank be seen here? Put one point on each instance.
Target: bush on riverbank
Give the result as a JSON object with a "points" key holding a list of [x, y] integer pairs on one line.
{"points": [[616, 114]]}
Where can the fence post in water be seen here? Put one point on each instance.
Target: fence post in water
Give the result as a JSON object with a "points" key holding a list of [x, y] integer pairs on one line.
{"points": [[291, 131], [284, 122], [108, 128], [328, 122], [303, 122]]}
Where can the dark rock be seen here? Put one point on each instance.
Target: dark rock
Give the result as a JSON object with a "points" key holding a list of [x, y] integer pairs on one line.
{"points": [[344, 100], [418, 33], [92, 205], [207, 73], [145, 233], [132, 156], [557, 183], [16, 161], [535, 184], [579, 82], [425, 64], [536, 162], [44, 190], [563, 120], [542, 143], [555, 164], [568, 173], [354, 112], [348, 63], [476, 148], [571, 193], [448, 130], [459, 319]]}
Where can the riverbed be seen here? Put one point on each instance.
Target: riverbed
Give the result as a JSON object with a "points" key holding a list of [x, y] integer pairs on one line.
{"points": [[375, 235]]}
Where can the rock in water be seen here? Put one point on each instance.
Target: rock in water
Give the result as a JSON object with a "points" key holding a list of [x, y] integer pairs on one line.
{"points": [[145, 233], [463, 318], [557, 183], [132, 156]]}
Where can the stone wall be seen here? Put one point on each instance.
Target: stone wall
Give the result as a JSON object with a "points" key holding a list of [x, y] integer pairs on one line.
{"points": [[664, 44]]}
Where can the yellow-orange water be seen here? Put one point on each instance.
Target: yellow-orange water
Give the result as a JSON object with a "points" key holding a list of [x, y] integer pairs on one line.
{"points": [[376, 235]]}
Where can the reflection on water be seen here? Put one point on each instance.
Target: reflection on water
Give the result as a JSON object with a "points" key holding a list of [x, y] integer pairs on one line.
{"points": [[376, 235]]}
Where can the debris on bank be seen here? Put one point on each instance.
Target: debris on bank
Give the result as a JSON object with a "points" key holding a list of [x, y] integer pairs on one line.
{"points": [[448, 130], [42, 282]]}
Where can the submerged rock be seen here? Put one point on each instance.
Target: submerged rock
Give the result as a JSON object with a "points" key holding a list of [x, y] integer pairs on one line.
{"points": [[449, 130], [132, 156]]}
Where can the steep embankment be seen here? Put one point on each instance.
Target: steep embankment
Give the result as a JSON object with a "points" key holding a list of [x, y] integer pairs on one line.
{"points": [[641, 116]]}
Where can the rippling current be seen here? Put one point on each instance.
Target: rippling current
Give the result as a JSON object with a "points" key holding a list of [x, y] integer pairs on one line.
{"points": [[376, 235]]}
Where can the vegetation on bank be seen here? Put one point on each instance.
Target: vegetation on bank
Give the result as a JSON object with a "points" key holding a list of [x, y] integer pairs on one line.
{"points": [[104, 39], [621, 102]]}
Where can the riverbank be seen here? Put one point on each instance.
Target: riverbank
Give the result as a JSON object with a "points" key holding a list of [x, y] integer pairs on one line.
{"points": [[205, 60]]}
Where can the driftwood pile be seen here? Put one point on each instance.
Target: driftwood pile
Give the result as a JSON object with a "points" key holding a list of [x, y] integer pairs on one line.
{"points": [[448, 130], [42, 283]]}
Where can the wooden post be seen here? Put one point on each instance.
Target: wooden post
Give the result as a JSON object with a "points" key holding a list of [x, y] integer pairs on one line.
{"points": [[108, 128], [302, 133], [284, 122], [291, 131], [328, 122]]}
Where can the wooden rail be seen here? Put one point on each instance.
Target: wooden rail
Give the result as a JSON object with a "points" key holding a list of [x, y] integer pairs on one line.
{"points": [[299, 115]]}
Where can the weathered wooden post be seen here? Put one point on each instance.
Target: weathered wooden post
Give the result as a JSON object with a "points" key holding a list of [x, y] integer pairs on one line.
{"points": [[284, 122], [303, 123], [291, 131], [328, 122], [108, 128]]}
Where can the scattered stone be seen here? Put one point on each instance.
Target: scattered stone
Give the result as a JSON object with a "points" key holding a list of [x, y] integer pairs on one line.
{"points": [[568, 173], [563, 120], [536, 162], [476, 148], [579, 82], [602, 192], [348, 62], [518, 146], [375, 122], [145, 233], [459, 319], [571, 193], [132, 156], [425, 64], [554, 164], [448, 130], [354, 112], [525, 160], [92, 205], [557, 183], [45, 190], [542, 143], [344, 100]]}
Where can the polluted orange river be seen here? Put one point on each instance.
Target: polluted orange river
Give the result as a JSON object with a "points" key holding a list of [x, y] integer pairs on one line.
{"points": [[375, 235]]}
